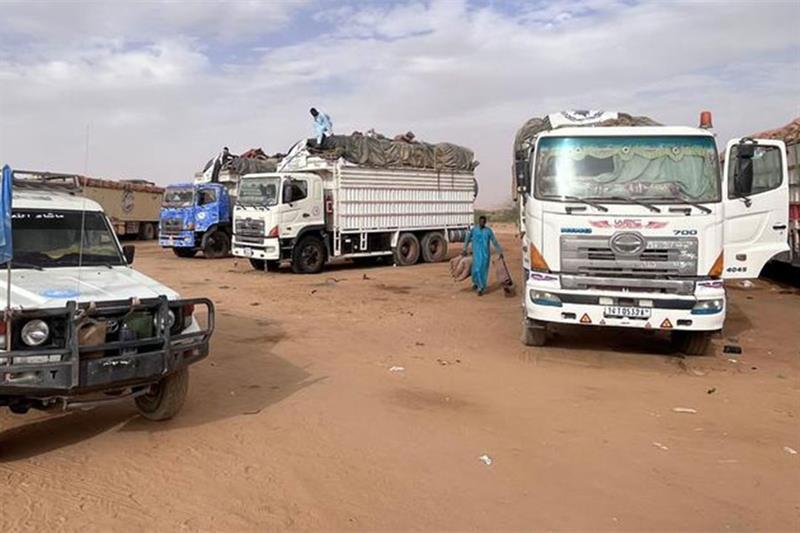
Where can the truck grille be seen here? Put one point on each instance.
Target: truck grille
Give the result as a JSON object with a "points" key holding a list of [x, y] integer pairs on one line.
{"points": [[249, 227], [171, 225], [658, 256]]}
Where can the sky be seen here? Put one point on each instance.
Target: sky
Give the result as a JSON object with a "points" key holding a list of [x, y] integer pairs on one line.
{"points": [[158, 88]]}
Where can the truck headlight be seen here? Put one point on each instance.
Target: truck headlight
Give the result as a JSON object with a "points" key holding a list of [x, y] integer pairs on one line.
{"points": [[35, 332], [545, 298], [708, 307]]}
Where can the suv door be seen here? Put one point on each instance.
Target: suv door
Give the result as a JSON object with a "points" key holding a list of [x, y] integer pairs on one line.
{"points": [[756, 205]]}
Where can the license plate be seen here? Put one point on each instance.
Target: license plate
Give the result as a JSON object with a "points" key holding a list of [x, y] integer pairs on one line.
{"points": [[247, 252], [627, 312]]}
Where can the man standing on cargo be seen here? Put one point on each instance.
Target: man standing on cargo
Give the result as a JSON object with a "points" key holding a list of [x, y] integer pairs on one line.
{"points": [[322, 125], [482, 238]]}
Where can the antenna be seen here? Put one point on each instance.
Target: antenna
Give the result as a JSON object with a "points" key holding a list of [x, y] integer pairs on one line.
{"points": [[86, 151]]}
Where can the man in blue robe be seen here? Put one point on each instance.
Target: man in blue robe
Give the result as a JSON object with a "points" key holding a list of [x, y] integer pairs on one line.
{"points": [[482, 238], [323, 126]]}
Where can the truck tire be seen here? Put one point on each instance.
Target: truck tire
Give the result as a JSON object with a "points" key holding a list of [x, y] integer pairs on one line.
{"points": [[308, 256], [407, 251], [147, 231], [216, 245], [165, 399], [434, 247], [184, 252], [534, 334], [692, 342]]}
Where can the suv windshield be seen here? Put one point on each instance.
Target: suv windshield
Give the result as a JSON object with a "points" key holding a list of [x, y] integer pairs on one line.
{"points": [[669, 169], [259, 191], [44, 239], [178, 197]]}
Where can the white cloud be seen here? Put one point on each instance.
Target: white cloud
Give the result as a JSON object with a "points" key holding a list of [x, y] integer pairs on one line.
{"points": [[160, 101]]}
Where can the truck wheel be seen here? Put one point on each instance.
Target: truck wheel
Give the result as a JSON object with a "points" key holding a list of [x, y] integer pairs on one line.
{"points": [[184, 252], [407, 251], [434, 247], [308, 256], [534, 333], [216, 245], [147, 232], [257, 264], [165, 398], [692, 342]]}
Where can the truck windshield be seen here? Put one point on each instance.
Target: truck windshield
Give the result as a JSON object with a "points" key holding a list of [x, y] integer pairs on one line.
{"points": [[659, 169], [45, 239], [259, 191], [183, 197]]}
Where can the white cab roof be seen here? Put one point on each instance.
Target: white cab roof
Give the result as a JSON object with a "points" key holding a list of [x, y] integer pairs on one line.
{"points": [[52, 200], [634, 131]]}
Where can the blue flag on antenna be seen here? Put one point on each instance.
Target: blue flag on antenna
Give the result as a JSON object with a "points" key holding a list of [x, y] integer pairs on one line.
{"points": [[6, 247]]}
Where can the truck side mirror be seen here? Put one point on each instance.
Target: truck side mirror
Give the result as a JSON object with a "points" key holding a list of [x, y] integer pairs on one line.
{"points": [[129, 251], [522, 173], [743, 179]]}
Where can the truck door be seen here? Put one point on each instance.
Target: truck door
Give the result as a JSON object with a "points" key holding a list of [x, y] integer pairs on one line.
{"points": [[756, 189], [302, 199]]}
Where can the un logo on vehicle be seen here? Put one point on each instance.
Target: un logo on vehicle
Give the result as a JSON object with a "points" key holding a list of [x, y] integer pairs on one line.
{"points": [[627, 243]]}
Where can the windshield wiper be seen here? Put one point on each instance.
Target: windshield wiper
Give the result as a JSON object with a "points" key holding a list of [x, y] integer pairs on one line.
{"points": [[649, 206], [588, 202], [688, 201], [21, 264]]}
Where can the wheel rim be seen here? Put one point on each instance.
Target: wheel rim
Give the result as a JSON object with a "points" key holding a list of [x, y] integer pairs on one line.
{"points": [[310, 256]]}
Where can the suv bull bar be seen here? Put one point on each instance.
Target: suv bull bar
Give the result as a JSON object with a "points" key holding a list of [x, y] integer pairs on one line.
{"points": [[62, 372]]}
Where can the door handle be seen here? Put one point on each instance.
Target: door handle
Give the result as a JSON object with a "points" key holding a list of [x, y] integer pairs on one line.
{"points": [[779, 227], [306, 215]]}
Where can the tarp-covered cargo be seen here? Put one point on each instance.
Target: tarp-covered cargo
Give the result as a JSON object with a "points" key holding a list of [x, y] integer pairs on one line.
{"points": [[790, 133], [250, 162], [382, 152], [534, 126]]}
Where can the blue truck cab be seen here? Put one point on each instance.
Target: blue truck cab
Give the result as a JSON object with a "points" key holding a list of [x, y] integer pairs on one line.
{"points": [[196, 217]]}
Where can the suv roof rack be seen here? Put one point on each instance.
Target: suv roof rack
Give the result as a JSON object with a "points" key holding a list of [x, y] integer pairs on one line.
{"points": [[31, 179]]}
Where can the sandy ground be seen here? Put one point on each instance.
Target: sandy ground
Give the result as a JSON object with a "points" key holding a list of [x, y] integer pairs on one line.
{"points": [[297, 422]]}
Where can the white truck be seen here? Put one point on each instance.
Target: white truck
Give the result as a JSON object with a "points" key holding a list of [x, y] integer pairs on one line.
{"points": [[625, 223], [80, 326], [315, 209]]}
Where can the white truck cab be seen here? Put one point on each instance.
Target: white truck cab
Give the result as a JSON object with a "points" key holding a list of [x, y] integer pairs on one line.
{"points": [[81, 326], [636, 226]]}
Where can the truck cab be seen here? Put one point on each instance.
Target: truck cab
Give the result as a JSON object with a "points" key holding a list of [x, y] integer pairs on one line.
{"points": [[81, 327], [194, 218], [637, 226], [275, 210]]}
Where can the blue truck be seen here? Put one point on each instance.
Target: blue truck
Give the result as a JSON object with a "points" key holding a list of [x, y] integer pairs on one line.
{"points": [[194, 218]]}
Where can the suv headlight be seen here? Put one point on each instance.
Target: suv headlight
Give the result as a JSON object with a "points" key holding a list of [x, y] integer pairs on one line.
{"points": [[35, 332]]}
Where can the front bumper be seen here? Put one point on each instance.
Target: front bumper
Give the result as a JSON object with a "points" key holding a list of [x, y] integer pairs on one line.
{"points": [[267, 249], [71, 371], [591, 307], [182, 239]]}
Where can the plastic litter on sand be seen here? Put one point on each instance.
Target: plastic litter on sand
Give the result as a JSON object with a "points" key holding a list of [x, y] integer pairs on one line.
{"points": [[687, 410], [485, 459], [660, 446], [397, 369], [790, 451]]}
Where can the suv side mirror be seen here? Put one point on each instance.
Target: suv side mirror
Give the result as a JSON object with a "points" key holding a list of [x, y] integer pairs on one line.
{"points": [[743, 180], [129, 251]]}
